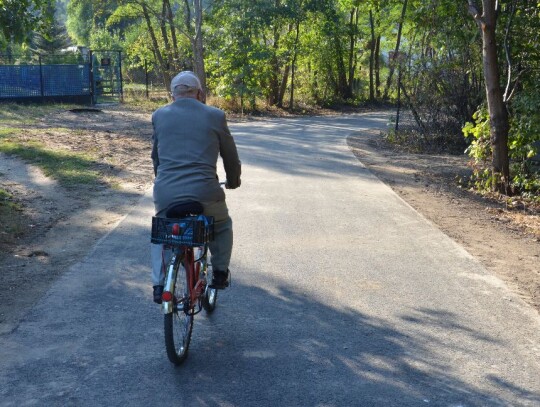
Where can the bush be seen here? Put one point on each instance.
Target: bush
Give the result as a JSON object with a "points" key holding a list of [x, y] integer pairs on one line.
{"points": [[525, 180]]}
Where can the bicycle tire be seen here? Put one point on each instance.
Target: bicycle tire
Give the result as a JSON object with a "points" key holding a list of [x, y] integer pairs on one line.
{"points": [[179, 323], [209, 300]]}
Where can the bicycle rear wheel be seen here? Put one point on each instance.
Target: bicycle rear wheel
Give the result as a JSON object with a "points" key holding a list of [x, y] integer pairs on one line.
{"points": [[179, 323], [209, 300]]}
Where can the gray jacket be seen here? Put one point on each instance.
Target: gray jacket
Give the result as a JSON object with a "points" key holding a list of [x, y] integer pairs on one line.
{"points": [[188, 136]]}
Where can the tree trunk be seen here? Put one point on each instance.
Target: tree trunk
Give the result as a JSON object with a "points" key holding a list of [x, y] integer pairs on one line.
{"points": [[162, 66], [353, 26], [196, 39], [371, 58], [378, 67], [498, 115], [174, 39], [395, 59], [273, 95], [198, 49], [293, 65], [342, 75], [283, 86], [165, 36]]}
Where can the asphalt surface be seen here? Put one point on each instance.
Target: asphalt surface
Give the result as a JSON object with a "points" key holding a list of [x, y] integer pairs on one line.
{"points": [[342, 295]]}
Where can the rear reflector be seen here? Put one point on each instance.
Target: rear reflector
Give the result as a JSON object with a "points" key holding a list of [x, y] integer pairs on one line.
{"points": [[166, 296]]}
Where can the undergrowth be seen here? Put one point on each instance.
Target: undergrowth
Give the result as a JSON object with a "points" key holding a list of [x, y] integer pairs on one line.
{"points": [[433, 142], [524, 182], [524, 173]]}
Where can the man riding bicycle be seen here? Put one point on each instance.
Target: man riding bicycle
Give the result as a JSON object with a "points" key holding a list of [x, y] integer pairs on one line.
{"points": [[188, 136]]}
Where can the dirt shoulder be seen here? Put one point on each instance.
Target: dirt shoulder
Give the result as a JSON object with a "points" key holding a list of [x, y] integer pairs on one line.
{"points": [[506, 241], [58, 225]]}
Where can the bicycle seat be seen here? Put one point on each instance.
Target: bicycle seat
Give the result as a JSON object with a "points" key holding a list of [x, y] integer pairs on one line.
{"points": [[183, 209]]}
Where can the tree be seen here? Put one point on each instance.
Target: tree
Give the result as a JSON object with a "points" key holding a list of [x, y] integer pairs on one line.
{"points": [[374, 50], [498, 115], [441, 73], [395, 54], [80, 20], [50, 39], [194, 32], [18, 18]]}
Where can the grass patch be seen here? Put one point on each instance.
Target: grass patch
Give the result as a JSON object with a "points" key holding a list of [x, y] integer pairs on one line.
{"points": [[11, 218], [147, 105], [66, 167], [6, 201], [13, 113], [8, 131]]}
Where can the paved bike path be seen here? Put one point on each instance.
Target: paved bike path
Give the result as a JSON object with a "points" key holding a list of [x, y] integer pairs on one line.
{"points": [[342, 295]]}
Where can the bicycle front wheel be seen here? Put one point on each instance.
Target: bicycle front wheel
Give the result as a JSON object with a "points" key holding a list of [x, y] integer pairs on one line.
{"points": [[179, 323]]}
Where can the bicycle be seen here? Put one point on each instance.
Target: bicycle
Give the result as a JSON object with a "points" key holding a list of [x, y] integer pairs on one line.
{"points": [[186, 232]]}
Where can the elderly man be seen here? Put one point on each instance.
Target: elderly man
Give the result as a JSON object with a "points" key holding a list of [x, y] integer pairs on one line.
{"points": [[188, 136]]}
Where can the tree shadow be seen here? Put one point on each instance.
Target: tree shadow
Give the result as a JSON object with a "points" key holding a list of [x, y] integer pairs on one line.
{"points": [[285, 347], [97, 339], [311, 146]]}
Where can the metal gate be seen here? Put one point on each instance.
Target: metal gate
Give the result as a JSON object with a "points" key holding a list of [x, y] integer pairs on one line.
{"points": [[106, 76]]}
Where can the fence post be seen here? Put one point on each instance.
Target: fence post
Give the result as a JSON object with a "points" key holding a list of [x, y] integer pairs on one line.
{"points": [[398, 99], [121, 78], [91, 76], [42, 91], [146, 77]]}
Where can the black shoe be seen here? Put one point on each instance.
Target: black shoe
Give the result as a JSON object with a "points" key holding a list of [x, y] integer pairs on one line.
{"points": [[220, 279], [158, 292]]}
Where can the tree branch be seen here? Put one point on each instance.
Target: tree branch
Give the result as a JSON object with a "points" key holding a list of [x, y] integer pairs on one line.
{"points": [[507, 93], [507, 97], [473, 11]]}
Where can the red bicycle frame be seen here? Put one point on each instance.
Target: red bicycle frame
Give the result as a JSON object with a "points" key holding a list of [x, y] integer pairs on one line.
{"points": [[196, 285]]}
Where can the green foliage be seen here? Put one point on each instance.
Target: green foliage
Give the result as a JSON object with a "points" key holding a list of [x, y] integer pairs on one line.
{"points": [[84, 16], [252, 46], [523, 134], [525, 125], [51, 39], [80, 21], [525, 139], [102, 39], [238, 67], [478, 135], [19, 17]]}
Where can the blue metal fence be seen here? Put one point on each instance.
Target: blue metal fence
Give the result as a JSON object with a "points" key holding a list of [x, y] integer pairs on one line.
{"points": [[18, 81], [72, 77]]}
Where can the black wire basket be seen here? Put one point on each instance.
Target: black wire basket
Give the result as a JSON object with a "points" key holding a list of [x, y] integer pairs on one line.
{"points": [[189, 231]]}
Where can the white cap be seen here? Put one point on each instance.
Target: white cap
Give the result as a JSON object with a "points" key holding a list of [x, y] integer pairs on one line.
{"points": [[187, 79]]}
